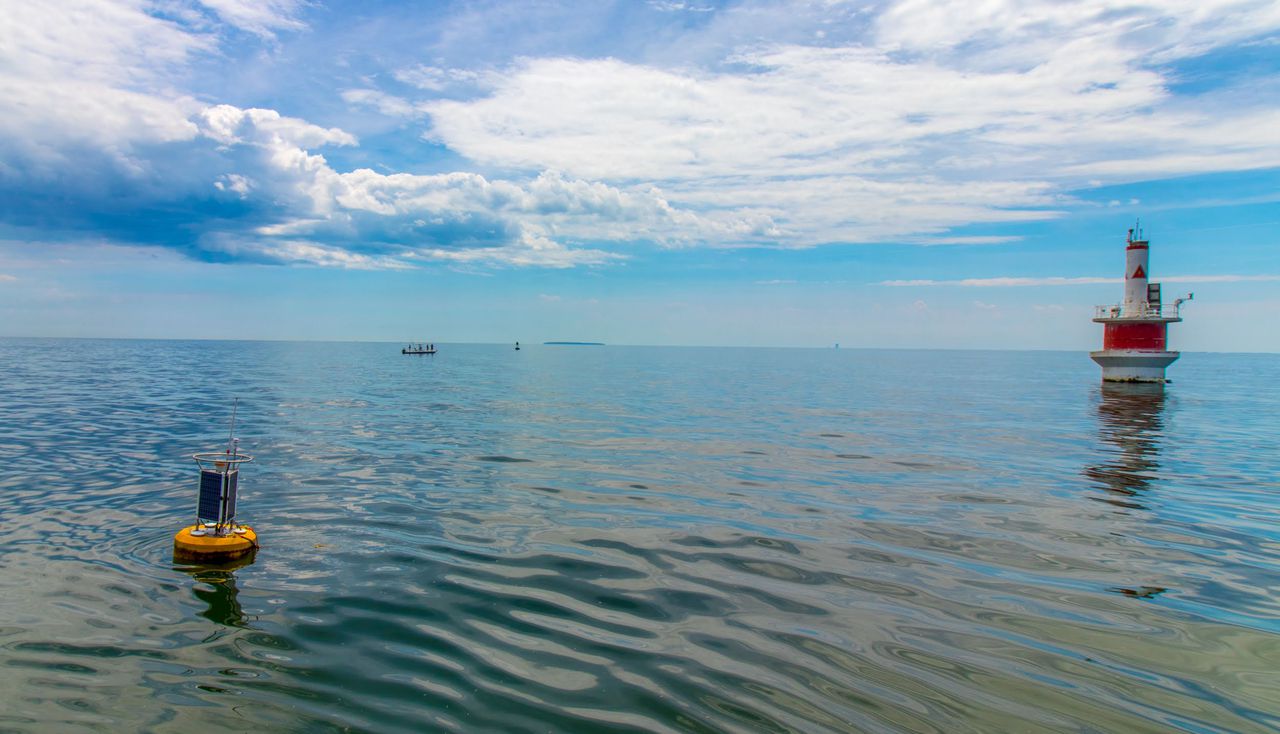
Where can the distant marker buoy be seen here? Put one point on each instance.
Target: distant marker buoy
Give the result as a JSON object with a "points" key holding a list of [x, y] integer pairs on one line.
{"points": [[216, 537]]}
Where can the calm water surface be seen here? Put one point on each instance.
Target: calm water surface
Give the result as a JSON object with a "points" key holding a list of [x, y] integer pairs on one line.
{"points": [[580, 539]]}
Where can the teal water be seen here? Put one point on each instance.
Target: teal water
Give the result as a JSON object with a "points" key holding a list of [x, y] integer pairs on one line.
{"points": [[627, 539]]}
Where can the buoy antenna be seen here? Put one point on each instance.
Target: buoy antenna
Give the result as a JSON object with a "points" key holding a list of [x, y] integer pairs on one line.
{"points": [[231, 434]]}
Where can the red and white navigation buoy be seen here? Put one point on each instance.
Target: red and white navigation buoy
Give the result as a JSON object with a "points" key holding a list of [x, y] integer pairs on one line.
{"points": [[1135, 332]]}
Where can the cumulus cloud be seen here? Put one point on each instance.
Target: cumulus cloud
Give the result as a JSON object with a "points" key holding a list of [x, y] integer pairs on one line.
{"points": [[92, 107], [90, 77], [454, 217], [926, 117], [230, 126], [946, 115]]}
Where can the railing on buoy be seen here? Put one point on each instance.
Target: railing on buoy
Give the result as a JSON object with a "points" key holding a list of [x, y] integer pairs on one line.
{"points": [[219, 484]]}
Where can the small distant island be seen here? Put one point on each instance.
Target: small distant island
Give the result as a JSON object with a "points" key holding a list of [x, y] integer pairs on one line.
{"points": [[574, 344]]}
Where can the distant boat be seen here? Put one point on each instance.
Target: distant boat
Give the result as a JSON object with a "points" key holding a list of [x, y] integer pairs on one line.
{"points": [[419, 349]]}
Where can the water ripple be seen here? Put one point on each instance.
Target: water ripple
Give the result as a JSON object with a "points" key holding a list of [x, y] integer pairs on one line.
{"points": [[639, 540]]}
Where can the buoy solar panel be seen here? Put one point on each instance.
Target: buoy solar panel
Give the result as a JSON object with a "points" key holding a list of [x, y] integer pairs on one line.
{"points": [[209, 505]]}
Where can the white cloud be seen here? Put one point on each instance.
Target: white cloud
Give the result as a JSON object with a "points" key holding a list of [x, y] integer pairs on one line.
{"points": [[90, 74], [231, 125], [948, 115], [531, 250], [925, 117], [111, 42], [260, 17], [1219, 278], [90, 79], [235, 183], [388, 104], [1055, 281], [87, 80], [969, 240], [669, 6], [301, 252], [1014, 32], [823, 134], [999, 282], [436, 79], [526, 224], [6, 278]]}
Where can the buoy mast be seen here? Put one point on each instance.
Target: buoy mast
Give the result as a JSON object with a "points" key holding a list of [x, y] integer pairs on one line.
{"points": [[1135, 332]]}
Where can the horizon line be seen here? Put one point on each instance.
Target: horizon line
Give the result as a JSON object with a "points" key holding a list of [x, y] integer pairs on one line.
{"points": [[831, 348]]}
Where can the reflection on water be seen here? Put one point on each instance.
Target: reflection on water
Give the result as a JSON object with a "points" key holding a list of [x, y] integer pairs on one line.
{"points": [[1131, 422], [216, 587]]}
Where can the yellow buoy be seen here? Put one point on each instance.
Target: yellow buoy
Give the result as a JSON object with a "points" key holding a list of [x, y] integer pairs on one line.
{"points": [[200, 543], [216, 536]]}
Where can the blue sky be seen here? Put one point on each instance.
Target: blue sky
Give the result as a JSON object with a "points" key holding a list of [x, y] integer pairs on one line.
{"points": [[880, 174]]}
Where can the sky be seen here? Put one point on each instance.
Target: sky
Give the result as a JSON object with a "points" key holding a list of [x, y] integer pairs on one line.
{"points": [[874, 174]]}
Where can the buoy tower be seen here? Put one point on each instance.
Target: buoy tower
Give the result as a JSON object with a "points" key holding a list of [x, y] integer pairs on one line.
{"points": [[1135, 332], [216, 537]]}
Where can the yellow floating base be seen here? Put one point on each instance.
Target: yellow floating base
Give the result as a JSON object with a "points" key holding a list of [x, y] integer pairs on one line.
{"points": [[212, 547]]}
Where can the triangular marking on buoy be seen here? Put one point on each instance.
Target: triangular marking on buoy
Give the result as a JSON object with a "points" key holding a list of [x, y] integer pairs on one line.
{"points": [[1138, 273]]}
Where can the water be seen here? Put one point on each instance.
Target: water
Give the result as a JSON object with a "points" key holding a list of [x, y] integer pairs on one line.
{"points": [[623, 539]]}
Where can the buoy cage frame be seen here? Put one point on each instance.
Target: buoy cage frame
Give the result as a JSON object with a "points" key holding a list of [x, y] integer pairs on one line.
{"points": [[215, 536]]}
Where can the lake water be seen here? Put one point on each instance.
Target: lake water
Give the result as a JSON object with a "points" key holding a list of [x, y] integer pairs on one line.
{"points": [[580, 539]]}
